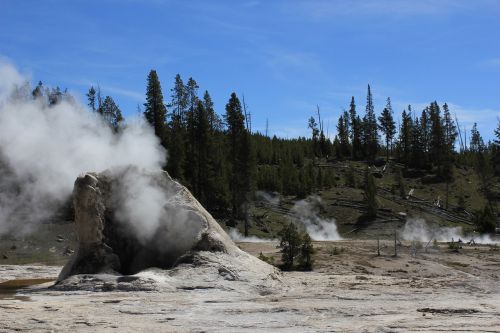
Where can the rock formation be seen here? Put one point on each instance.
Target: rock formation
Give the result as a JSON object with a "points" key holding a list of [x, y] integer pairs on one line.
{"points": [[131, 220]]}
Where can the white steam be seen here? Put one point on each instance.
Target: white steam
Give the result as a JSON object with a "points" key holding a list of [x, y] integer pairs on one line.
{"points": [[138, 197], [238, 237], [154, 211], [43, 149], [308, 213], [273, 199], [419, 230]]}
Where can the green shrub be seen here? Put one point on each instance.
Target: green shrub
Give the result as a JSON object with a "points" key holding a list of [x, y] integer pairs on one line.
{"points": [[295, 248], [306, 252]]}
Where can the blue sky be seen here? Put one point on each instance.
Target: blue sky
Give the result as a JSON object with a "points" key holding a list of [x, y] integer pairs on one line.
{"points": [[284, 56]]}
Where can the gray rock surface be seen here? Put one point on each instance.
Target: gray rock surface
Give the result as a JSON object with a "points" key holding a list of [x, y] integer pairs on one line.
{"points": [[186, 240]]}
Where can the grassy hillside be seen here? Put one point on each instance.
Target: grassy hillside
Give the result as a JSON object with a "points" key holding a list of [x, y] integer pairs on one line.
{"points": [[345, 203], [52, 243]]}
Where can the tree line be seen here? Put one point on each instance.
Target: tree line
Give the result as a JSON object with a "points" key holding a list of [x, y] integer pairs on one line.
{"points": [[217, 157], [223, 163]]}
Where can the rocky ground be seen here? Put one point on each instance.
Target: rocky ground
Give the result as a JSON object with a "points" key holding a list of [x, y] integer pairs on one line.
{"points": [[351, 290]]}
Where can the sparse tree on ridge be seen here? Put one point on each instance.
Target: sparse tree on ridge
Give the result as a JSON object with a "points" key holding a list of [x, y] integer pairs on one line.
{"points": [[178, 105], [355, 127], [38, 91], [450, 130], [476, 140], [436, 142], [387, 126], [370, 134], [213, 119], [111, 113], [418, 152], [496, 149], [314, 135], [190, 169], [155, 110], [179, 98], [405, 136], [238, 150], [343, 136], [91, 96]]}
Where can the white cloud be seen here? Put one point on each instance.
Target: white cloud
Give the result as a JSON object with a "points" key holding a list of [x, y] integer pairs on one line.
{"points": [[325, 9], [107, 89], [490, 63]]}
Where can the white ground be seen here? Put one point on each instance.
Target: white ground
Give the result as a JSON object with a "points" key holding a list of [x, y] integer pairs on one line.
{"points": [[353, 291]]}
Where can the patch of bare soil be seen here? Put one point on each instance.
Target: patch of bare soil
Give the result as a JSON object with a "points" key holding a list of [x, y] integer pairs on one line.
{"points": [[351, 290]]}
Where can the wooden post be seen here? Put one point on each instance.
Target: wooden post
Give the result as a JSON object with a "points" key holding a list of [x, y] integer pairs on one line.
{"points": [[378, 247]]}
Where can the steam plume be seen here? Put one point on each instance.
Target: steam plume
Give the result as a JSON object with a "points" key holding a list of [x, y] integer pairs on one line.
{"points": [[320, 229], [43, 149], [419, 230], [238, 237]]}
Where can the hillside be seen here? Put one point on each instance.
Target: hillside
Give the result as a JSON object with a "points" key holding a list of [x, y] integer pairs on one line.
{"points": [[346, 203], [54, 241]]}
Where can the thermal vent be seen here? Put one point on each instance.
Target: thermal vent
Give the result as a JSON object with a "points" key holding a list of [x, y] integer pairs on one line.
{"points": [[128, 220]]}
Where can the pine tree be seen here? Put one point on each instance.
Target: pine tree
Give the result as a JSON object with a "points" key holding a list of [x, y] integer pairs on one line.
{"points": [[203, 150], [355, 126], [154, 108], [323, 144], [290, 242], [55, 96], [387, 126], [343, 136], [306, 252], [424, 131], [497, 133], [91, 96], [179, 99], [476, 140], [191, 162], [449, 137], [314, 136], [418, 144], [175, 165], [437, 142], [176, 149], [213, 119], [38, 91], [99, 100], [370, 135], [450, 130], [405, 136], [495, 154], [111, 113], [238, 147], [425, 127], [481, 162]]}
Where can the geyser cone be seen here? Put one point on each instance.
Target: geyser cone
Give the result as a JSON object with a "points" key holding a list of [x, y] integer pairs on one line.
{"points": [[128, 220]]}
